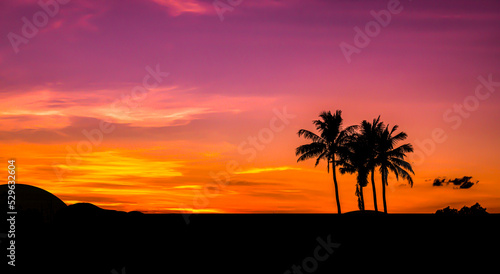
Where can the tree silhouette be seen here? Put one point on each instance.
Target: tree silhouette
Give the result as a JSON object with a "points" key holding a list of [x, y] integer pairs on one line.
{"points": [[355, 159], [360, 152], [476, 209], [447, 211], [328, 145], [392, 159], [370, 134]]}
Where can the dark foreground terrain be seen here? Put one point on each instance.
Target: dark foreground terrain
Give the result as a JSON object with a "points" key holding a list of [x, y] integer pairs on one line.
{"points": [[51, 237], [83, 238]]}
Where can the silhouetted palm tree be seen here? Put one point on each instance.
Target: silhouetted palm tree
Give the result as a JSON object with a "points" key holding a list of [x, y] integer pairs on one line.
{"points": [[356, 160], [370, 134], [392, 159], [328, 145]]}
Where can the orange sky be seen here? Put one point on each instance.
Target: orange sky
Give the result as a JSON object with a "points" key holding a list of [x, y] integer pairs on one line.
{"points": [[87, 118]]}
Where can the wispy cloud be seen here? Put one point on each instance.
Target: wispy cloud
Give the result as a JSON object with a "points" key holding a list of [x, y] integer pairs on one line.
{"points": [[176, 8], [167, 106], [188, 187], [108, 164], [266, 169]]}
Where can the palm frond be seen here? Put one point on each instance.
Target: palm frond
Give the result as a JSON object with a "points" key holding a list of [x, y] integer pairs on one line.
{"points": [[405, 175], [320, 157], [311, 147], [384, 171], [394, 170], [310, 135], [398, 137], [400, 151], [347, 168], [394, 128], [402, 164]]}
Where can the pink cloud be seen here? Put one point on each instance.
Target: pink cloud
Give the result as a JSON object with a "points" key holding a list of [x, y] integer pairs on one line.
{"points": [[176, 8], [167, 106]]}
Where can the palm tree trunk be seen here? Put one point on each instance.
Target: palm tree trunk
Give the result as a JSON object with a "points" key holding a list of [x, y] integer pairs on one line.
{"points": [[374, 191], [361, 201], [384, 181], [362, 198], [336, 186]]}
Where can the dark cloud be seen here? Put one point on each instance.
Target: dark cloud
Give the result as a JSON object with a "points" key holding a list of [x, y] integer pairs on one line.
{"points": [[438, 182], [463, 183]]}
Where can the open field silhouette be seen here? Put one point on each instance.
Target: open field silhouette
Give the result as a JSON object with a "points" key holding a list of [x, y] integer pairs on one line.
{"points": [[259, 136], [83, 238]]}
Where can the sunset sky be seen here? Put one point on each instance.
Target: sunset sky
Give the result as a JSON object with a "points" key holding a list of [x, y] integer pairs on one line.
{"points": [[138, 104]]}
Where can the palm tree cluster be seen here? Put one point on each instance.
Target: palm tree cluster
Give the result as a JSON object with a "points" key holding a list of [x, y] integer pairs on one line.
{"points": [[358, 149]]}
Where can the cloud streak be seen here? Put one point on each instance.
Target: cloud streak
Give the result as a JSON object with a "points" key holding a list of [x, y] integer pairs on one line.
{"points": [[176, 8], [266, 169]]}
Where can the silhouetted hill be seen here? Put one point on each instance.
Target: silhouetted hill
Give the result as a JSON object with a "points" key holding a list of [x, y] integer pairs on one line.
{"points": [[87, 212], [33, 200]]}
